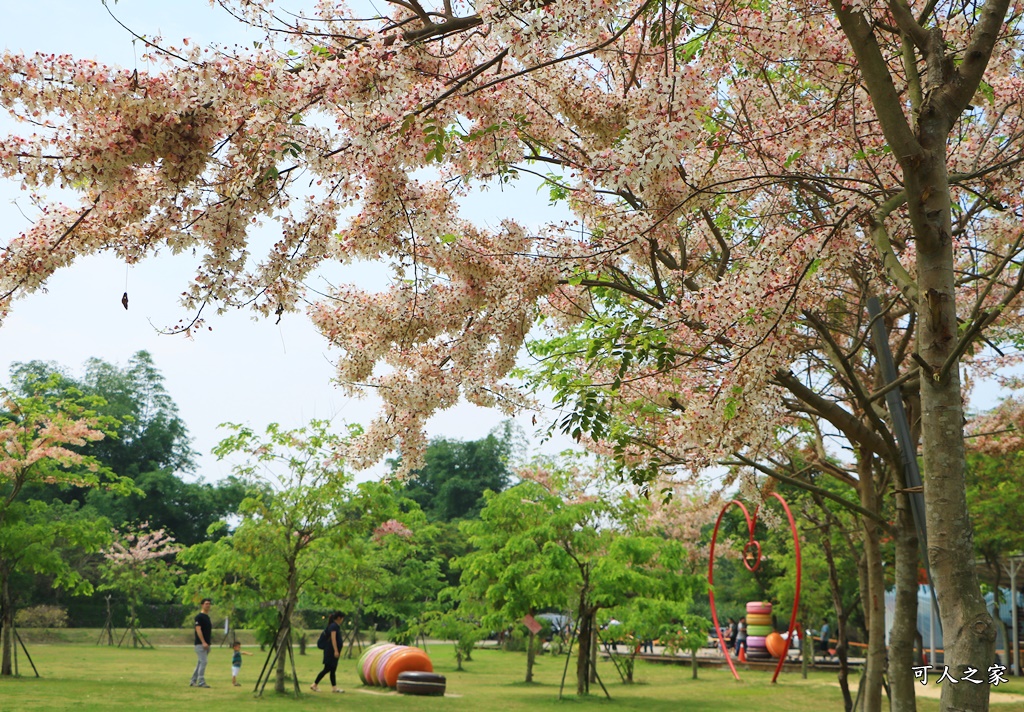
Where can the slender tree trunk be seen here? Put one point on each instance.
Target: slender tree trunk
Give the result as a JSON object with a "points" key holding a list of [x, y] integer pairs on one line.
{"points": [[693, 665], [595, 647], [585, 639], [284, 639], [7, 622], [967, 627], [841, 616], [803, 649], [531, 656], [874, 604], [904, 625], [282, 653]]}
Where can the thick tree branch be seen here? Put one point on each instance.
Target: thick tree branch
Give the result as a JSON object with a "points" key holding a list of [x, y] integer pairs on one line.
{"points": [[875, 71], [909, 27], [842, 501], [977, 56], [890, 262], [841, 418]]}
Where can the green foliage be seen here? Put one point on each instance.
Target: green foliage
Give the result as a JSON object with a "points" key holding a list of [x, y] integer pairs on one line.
{"points": [[148, 442], [42, 616], [455, 474], [617, 339], [298, 516], [996, 499], [166, 501], [41, 538], [564, 539]]}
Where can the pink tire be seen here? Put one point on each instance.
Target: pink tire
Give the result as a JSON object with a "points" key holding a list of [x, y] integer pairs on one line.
{"points": [[362, 669], [755, 641], [381, 665], [759, 607], [371, 663]]}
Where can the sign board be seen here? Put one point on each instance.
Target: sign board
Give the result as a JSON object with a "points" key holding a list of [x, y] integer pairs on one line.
{"points": [[531, 623]]}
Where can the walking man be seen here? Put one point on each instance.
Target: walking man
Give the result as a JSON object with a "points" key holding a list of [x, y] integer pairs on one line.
{"points": [[203, 633], [824, 642]]}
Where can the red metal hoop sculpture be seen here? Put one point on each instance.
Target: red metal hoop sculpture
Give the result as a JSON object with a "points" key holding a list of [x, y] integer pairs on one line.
{"points": [[752, 560]]}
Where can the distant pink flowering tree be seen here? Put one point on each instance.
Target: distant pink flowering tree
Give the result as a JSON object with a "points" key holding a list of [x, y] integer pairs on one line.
{"points": [[137, 566]]}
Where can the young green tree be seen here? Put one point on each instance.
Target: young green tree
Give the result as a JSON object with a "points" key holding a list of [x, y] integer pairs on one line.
{"points": [[299, 513], [404, 566], [579, 541]]}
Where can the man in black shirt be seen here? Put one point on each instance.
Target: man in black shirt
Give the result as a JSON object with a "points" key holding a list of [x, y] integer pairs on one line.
{"points": [[203, 632]]}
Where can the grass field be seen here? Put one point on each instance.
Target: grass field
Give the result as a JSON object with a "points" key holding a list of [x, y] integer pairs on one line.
{"points": [[84, 677]]}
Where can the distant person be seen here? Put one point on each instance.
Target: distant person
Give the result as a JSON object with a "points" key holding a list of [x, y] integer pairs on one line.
{"points": [[236, 662], [823, 642], [203, 634], [647, 646], [332, 652], [741, 635], [733, 630]]}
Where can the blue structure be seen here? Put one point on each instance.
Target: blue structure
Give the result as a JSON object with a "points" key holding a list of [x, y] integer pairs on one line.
{"points": [[925, 618]]}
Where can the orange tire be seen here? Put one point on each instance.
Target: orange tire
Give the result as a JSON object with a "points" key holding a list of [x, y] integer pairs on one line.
{"points": [[405, 660]]}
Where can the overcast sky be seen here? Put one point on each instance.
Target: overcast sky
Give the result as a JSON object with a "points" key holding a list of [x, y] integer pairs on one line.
{"points": [[242, 370]]}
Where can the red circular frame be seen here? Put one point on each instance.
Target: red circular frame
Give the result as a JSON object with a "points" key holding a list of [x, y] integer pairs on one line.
{"points": [[752, 544]]}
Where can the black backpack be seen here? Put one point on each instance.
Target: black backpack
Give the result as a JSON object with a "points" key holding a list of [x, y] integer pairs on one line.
{"points": [[323, 640]]}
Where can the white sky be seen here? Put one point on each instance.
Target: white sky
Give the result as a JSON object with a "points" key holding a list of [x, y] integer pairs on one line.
{"points": [[242, 370]]}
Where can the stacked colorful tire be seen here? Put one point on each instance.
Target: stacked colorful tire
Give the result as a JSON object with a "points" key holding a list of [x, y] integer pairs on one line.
{"points": [[421, 683], [759, 626], [382, 664]]}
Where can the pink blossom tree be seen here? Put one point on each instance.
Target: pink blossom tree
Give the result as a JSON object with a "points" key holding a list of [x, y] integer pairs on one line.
{"points": [[39, 436], [727, 165], [136, 565]]}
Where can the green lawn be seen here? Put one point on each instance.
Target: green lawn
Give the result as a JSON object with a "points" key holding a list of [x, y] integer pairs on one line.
{"points": [[85, 677]]}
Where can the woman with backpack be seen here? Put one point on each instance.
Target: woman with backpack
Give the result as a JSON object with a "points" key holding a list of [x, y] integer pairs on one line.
{"points": [[330, 641]]}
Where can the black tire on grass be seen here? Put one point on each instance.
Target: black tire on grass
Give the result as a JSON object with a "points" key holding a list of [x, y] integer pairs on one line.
{"points": [[427, 684]]}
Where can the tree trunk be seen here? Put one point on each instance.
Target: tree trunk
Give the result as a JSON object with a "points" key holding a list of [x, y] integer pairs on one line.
{"points": [[841, 616], [595, 647], [583, 657], [285, 636], [6, 622], [458, 659], [874, 604], [693, 665], [968, 630], [134, 624], [531, 656], [904, 625], [282, 654], [803, 650]]}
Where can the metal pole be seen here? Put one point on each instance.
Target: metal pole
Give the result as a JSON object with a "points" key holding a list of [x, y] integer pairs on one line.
{"points": [[931, 630], [1014, 568], [901, 428]]}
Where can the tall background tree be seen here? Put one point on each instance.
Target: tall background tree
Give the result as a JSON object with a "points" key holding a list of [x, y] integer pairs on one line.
{"points": [[455, 473], [150, 445]]}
